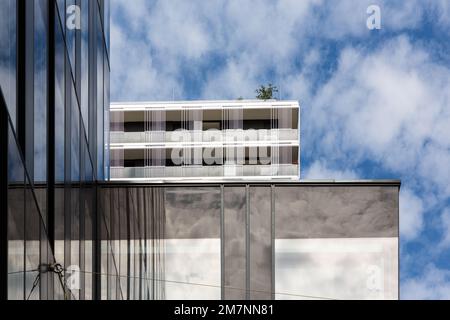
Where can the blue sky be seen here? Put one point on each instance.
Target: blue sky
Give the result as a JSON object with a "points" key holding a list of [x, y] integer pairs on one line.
{"points": [[375, 103]]}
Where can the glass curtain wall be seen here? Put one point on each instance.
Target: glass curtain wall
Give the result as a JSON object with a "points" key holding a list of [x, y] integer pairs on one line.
{"points": [[345, 239], [132, 244], [54, 76], [250, 242]]}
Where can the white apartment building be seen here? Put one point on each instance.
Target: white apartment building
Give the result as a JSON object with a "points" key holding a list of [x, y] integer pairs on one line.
{"points": [[205, 140]]}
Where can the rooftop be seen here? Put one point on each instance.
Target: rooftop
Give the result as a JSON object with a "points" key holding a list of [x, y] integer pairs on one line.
{"points": [[203, 104], [165, 183]]}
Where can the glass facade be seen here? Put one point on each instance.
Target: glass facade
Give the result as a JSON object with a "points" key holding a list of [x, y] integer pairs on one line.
{"points": [[54, 78], [256, 242], [344, 239]]}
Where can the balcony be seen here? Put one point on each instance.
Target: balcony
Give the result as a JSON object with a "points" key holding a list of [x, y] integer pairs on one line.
{"points": [[226, 171], [272, 136]]}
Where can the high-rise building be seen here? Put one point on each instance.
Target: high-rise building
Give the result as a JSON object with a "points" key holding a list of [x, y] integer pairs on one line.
{"points": [[205, 140], [54, 78]]}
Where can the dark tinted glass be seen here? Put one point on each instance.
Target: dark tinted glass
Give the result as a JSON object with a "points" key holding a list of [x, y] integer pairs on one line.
{"points": [[260, 243], [16, 216], [8, 50], [234, 238], [192, 245], [330, 212]]}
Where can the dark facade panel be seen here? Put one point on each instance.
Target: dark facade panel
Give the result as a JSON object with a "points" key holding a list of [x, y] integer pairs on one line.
{"points": [[192, 213], [329, 212], [209, 241], [260, 246], [234, 238], [8, 56]]}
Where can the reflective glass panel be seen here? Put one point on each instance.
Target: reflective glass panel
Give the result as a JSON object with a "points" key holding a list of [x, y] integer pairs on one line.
{"points": [[260, 243], [59, 104], [8, 52], [16, 232], [192, 245], [336, 242], [234, 243]]}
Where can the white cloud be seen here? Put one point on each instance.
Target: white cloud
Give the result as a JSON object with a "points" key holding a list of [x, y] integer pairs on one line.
{"points": [[348, 17], [445, 223], [180, 28], [389, 106], [135, 14], [320, 170], [160, 38], [411, 215], [134, 75], [442, 10], [433, 284]]}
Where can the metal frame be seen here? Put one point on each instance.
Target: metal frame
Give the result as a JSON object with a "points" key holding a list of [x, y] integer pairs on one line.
{"points": [[398, 248], [222, 244], [247, 242], [4, 125], [51, 125], [28, 130], [21, 73], [305, 183], [202, 105], [272, 217]]}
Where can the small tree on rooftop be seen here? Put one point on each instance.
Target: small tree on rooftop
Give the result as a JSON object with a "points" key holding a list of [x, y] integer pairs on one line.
{"points": [[266, 93]]}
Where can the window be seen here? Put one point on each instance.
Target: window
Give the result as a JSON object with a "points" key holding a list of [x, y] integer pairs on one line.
{"points": [[8, 51]]}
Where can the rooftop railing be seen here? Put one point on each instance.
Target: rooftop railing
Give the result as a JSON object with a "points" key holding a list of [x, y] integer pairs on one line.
{"points": [[274, 135], [225, 171]]}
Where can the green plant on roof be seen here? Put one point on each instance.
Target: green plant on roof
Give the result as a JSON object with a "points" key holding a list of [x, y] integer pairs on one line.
{"points": [[266, 93]]}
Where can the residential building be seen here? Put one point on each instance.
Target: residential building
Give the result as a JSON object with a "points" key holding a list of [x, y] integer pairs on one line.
{"points": [[205, 140]]}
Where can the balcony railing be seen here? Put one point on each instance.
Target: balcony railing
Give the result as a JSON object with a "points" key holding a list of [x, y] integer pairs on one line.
{"points": [[226, 171], [205, 136]]}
